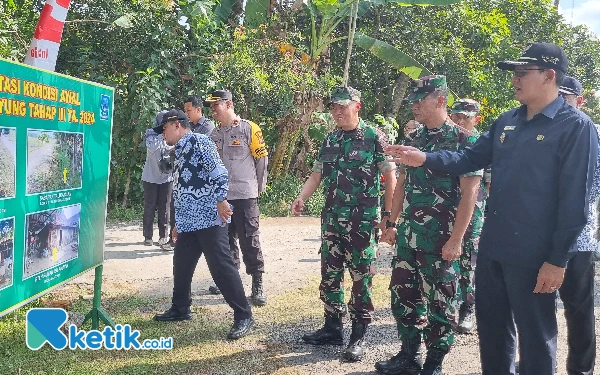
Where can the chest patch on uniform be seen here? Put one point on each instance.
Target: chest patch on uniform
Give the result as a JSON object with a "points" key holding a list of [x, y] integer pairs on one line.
{"points": [[510, 127], [236, 142], [540, 137]]}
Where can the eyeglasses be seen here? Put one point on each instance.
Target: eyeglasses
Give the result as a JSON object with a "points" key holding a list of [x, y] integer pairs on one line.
{"points": [[523, 72]]}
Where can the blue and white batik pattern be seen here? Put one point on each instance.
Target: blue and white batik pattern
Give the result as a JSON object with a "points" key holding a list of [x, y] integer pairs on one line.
{"points": [[587, 240], [200, 178]]}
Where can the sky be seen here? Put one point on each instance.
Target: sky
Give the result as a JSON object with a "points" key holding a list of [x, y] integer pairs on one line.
{"points": [[585, 12]]}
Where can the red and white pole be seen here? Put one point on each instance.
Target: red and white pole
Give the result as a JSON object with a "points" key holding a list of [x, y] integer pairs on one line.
{"points": [[43, 50]]}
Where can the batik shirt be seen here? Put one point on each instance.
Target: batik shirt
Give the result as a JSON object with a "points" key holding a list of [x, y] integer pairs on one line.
{"points": [[587, 240], [200, 181]]}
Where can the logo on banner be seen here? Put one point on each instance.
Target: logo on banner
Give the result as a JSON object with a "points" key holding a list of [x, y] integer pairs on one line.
{"points": [[44, 326], [104, 106]]}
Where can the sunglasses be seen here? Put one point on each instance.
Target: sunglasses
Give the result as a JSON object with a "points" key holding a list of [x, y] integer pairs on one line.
{"points": [[523, 72]]}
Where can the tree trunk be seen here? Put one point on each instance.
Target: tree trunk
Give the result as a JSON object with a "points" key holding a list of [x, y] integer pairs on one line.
{"points": [[126, 192], [398, 95], [283, 145]]}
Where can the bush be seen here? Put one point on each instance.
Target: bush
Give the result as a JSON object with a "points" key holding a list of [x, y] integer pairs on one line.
{"points": [[117, 214], [280, 193]]}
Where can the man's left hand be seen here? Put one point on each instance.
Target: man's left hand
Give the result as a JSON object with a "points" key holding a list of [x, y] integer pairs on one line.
{"points": [[550, 278], [224, 210], [452, 250]]}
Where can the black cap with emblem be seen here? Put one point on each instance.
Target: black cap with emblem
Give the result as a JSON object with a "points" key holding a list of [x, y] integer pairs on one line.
{"points": [[172, 115], [544, 55]]}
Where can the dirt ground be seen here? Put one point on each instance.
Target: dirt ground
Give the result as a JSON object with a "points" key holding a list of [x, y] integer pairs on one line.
{"points": [[290, 250]]}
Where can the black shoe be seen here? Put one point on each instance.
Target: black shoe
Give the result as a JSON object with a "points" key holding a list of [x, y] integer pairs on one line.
{"points": [[258, 294], [240, 328], [173, 315], [213, 289], [148, 242], [465, 318], [433, 362], [407, 362], [330, 334], [356, 347]]}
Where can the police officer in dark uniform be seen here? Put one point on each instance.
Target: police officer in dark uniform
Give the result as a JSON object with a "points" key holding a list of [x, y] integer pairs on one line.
{"points": [[543, 155]]}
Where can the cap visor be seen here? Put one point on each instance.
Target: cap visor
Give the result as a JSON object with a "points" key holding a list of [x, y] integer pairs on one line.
{"points": [[466, 113], [510, 65], [159, 129], [340, 102]]}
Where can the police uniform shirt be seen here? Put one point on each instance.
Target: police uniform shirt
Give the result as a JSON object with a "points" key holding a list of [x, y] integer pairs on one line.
{"points": [[242, 148], [543, 171]]}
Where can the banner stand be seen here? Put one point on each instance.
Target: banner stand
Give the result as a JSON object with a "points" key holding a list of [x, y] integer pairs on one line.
{"points": [[97, 314]]}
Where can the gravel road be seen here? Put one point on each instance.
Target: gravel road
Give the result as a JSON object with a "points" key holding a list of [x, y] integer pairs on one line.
{"points": [[290, 250]]}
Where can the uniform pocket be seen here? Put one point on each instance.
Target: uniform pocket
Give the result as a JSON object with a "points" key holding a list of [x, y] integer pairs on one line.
{"points": [[252, 220]]}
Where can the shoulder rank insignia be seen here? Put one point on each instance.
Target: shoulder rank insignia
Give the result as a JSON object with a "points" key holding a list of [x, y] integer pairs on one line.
{"points": [[502, 137]]}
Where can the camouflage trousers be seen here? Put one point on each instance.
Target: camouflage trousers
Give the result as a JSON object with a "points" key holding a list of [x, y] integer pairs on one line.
{"points": [[424, 297], [353, 245], [468, 261]]}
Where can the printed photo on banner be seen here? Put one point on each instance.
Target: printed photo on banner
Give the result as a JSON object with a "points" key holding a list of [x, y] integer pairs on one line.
{"points": [[8, 141], [54, 161], [52, 238], [7, 247]]}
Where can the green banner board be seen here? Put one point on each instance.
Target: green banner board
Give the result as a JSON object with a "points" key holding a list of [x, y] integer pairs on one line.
{"points": [[55, 137]]}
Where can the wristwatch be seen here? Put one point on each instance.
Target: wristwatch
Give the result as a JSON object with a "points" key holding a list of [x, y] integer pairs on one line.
{"points": [[386, 214], [390, 224]]}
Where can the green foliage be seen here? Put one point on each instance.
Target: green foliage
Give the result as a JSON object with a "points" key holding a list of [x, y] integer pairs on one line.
{"points": [[151, 58], [154, 59], [43, 138], [392, 56], [117, 214], [280, 193]]}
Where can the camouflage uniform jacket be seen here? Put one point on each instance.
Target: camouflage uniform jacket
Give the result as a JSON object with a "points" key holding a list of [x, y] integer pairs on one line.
{"points": [[351, 164], [431, 197]]}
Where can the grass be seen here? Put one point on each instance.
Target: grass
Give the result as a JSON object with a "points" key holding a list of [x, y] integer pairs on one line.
{"points": [[199, 345], [7, 177]]}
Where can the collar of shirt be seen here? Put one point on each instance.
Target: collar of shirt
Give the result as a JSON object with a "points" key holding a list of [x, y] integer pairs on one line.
{"points": [[549, 111], [236, 122], [356, 133], [200, 122]]}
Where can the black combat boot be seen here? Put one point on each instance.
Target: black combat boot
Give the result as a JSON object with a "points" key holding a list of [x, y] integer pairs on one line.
{"points": [[433, 362], [356, 347], [465, 318], [407, 362], [330, 334], [258, 294]]}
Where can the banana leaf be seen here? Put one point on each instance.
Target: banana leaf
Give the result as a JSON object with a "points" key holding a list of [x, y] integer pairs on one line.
{"points": [[396, 58]]}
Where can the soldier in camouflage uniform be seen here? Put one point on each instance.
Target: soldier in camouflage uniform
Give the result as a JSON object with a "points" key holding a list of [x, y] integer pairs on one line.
{"points": [[465, 113], [350, 164], [435, 210]]}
